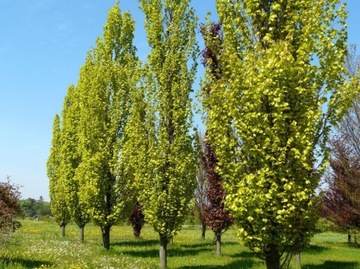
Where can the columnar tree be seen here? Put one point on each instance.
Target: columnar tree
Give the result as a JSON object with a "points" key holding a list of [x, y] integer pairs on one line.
{"points": [[168, 183], [269, 115], [105, 84], [217, 217], [57, 186], [71, 158]]}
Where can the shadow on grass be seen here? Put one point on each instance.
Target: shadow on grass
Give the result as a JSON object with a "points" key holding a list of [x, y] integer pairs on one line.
{"points": [[5, 262], [207, 244], [347, 245], [136, 243], [332, 265], [172, 252], [200, 245], [314, 249], [245, 255], [241, 263]]}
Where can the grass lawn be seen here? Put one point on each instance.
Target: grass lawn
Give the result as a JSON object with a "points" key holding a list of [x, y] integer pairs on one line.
{"points": [[39, 245]]}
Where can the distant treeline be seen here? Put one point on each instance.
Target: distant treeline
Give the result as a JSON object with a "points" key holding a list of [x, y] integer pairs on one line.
{"points": [[34, 208]]}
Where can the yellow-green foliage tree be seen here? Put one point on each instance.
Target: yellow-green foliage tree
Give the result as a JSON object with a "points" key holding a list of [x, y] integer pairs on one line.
{"points": [[104, 87], [57, 187], [71, 159], [167, 175], [282, 86]]}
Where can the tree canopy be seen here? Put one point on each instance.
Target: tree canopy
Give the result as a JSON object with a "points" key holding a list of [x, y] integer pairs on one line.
{"points": [[275, 84], [283, 86], [166, 174], [106, 81], [58, 188]]}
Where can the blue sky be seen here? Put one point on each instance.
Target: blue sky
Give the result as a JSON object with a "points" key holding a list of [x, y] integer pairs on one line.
{"points": [[43, 43]]}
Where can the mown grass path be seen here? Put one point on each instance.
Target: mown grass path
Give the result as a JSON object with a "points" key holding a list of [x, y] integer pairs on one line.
{"points": [[39, 245]]}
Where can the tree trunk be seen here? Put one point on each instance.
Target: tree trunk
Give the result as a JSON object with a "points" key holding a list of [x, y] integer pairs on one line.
{"points": [[106, 236], [355, 240], [218, 242], [62, 230], [137, 230], [349, 236], [81, 234], [298, 261], [163, 251], [203, 230], [272, 258]]}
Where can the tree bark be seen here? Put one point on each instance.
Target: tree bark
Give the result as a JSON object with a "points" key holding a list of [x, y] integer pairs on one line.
{"points": [[272, 258], [81, 234], [218, 242], [62, 230], [203, 231], [106, 236], [298, 260], [163, 251]]}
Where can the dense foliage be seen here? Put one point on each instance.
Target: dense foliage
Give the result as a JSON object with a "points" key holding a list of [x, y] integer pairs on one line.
{"points": [[35, 208], [341, 202], [217, 217], [274, 86], [165, 172], [58, 203], [9, 210], [270, 113], [137, 219], [83, 167], [105, 84], [71, 159]]}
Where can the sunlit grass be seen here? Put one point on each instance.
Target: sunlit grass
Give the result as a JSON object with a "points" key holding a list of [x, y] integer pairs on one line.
{"points": [[39, 245]]}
